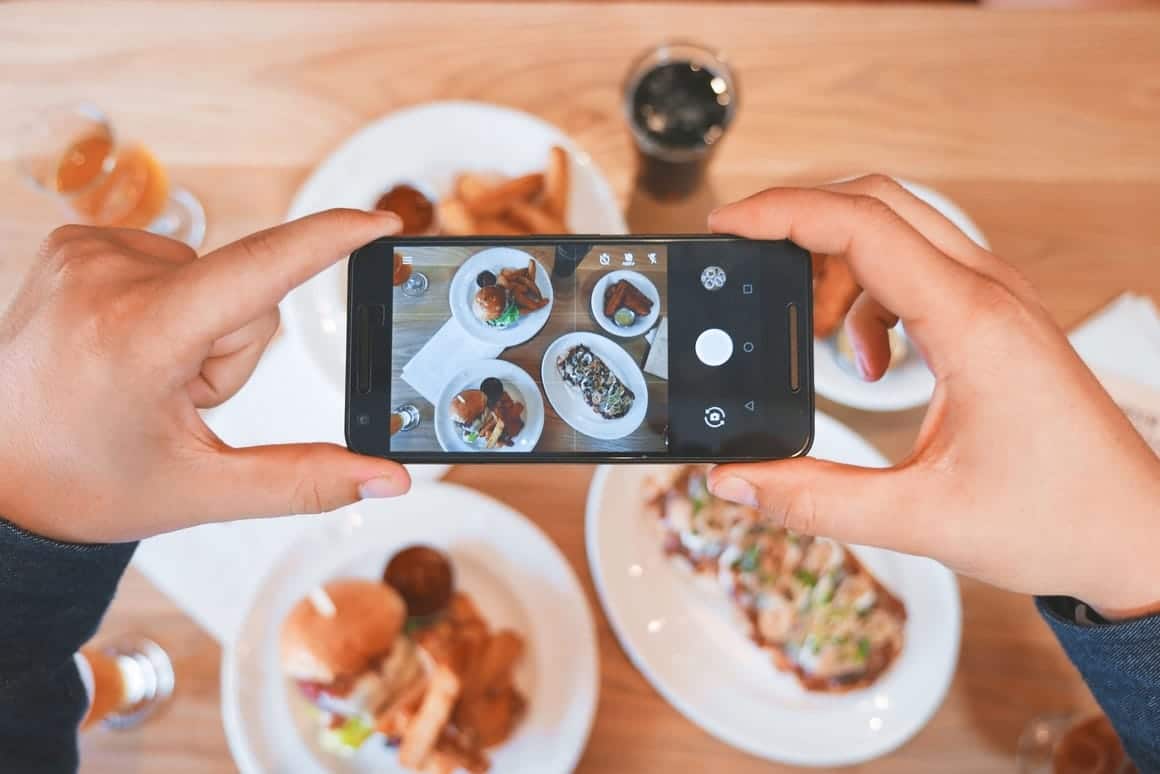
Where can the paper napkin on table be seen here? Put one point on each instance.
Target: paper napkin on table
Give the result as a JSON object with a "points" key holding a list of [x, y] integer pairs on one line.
{"points": [[443, 356], [657, 362], [1123, 338], [1121, 344]]}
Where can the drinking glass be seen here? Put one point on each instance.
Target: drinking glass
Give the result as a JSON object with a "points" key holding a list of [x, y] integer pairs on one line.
{"points": [[405, 417], [74, 154], [679, 99], [412, 283], [1066, 743], [126, 680]]}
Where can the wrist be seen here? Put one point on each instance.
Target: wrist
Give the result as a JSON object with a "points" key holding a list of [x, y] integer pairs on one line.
{"points": [[1126, 583]]}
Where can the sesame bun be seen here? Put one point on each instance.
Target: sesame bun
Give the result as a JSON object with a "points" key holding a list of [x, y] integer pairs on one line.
{"points": [[368, 617]]}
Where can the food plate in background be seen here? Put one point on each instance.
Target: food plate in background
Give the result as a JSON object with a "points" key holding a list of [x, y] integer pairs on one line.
{"points": [[686, 642], [519, 580], [641, 283], [567, 401], [908, 384], [427, 146], [464, 287], [517, 383]]}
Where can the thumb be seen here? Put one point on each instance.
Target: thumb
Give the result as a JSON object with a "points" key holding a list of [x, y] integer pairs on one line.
{"points": [[815, 497], [302, 478]]}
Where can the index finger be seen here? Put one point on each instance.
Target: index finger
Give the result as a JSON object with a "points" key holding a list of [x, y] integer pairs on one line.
{"points": [[889, 258], [242, 281]]}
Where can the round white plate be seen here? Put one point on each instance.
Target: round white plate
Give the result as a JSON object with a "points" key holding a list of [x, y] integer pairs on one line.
{"points": [[515, 574], [427, 145], [684, 639], [517, 383], [910, 383], [463, 290], [644, 285], [567, 401]]}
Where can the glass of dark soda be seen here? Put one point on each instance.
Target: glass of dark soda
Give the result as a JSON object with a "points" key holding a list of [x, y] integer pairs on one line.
{"points": [[679, 99]]}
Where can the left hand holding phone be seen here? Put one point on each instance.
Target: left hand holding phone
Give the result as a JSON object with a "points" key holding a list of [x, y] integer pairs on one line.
{"points": [[115, 340]]}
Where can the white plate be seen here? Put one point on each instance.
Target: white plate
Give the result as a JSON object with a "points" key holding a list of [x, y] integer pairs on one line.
{"points": [[518, 384], [516, 575], [567, 401], [684, 640], [463, 289], [644, 285], [427, 145], [909, 384]]}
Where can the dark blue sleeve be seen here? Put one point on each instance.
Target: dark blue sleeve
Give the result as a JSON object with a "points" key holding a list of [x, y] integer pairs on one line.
{"points": [[1121, 664], [52, 597]]}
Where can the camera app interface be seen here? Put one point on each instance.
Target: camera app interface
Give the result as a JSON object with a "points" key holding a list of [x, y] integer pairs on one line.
{"points": [[540, 348]]}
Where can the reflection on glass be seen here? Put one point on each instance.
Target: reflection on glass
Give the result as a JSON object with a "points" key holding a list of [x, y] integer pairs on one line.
{"points": [[126, 681], [74, 154]]}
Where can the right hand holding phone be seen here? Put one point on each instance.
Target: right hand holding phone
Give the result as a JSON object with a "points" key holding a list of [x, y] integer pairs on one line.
{"points": [[1024, 473]]}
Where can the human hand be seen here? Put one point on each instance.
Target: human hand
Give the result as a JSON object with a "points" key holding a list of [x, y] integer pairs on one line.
{"points": [[114, 341], [1024, 473]]}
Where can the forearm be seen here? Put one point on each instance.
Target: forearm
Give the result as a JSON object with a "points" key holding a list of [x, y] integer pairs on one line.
{"points": [[52, 597], [1120, 662]]}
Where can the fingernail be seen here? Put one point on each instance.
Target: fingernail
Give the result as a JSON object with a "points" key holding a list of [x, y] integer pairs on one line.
{"points": [[391, 221], [384, 486], [735, 490], [863, 367]]}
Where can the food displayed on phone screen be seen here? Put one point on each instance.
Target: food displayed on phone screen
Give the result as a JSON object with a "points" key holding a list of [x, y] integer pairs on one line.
{"points": [[487, 417], [623, 303], [518, 348], [408, 662], [601, 389], [501, 300], [808, 602]]}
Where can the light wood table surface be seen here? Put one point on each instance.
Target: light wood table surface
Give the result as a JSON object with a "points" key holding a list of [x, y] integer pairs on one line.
{"points": [[1041, 125]]}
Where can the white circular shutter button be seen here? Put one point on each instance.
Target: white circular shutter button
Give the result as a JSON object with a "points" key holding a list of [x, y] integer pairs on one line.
{"points": [[714, 347]]}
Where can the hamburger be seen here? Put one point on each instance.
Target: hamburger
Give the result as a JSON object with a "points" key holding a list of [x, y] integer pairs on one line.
{"points": [[495, 306], [345, 651], [469, 411]]}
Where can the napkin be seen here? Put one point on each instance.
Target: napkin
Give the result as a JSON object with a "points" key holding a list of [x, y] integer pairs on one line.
{"points": [[443, 356], [1121, 344], [1122, 339], [657, 362]]}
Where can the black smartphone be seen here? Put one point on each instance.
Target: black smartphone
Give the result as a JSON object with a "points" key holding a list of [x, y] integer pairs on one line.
{"points": [[579, 348]]}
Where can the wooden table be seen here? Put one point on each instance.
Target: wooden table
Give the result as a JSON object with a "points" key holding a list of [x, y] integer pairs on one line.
{"points": [[417, 319], [1041, 125]]}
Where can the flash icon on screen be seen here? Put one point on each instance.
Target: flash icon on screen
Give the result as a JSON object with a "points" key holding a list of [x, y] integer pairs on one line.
{"points": [[652, 257]]}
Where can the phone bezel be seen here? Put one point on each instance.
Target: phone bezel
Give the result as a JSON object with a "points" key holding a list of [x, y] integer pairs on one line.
{"points": [[359, 292]]}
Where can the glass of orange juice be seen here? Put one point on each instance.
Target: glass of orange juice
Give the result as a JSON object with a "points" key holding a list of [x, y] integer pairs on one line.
{"points": [[73, 154], [126, 681]]}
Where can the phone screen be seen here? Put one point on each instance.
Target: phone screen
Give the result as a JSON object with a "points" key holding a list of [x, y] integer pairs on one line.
{"points": [[580, 348]]}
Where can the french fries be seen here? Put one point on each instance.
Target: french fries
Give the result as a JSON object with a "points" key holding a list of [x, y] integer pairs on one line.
{"points": [[534, 219], [535, 203], [467, 700], [424, 730], [496, 200], [556, 184]]}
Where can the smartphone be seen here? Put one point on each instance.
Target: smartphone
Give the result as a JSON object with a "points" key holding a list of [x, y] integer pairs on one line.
{"points": [[579, 348]]}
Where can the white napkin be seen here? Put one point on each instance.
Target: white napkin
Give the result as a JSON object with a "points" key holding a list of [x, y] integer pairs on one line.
{"points": [[443, 356], [1121, 344], [657, 362], [1123, 338]]}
